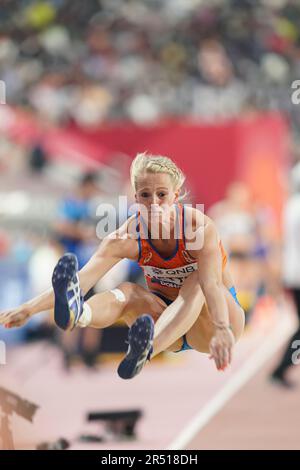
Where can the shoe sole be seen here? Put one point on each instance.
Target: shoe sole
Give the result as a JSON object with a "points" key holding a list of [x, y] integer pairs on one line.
{"points": [[64, 272], [140, 339]]}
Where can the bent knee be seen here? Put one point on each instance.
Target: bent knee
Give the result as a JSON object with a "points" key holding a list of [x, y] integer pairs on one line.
{"points": [[136, 295], [127, 288]]}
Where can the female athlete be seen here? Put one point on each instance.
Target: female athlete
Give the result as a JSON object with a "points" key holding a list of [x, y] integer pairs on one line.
{"points": [[190, 300]]}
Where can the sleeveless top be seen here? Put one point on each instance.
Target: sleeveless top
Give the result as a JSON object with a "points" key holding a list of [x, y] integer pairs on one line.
{"points": [[171, 271]]}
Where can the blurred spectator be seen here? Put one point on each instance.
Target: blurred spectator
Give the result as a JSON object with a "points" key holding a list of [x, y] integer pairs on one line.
{"points": [[241, 226], [142, 59], [76, 233], [37, 158], [221, 95], [291, 276], [74, 225]]}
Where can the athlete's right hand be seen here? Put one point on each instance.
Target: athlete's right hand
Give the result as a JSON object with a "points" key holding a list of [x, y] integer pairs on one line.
{"points": [[15, 317], [221, 346]]}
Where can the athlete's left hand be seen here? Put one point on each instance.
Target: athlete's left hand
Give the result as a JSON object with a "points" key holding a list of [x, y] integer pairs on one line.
{"points": [[221, 346]]}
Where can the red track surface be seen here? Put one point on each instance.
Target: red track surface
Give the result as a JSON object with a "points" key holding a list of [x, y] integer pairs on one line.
{"points": [[171, 393]]}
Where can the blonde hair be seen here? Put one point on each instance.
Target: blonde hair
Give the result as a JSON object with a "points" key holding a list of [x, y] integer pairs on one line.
{"points": [[145, 162]]}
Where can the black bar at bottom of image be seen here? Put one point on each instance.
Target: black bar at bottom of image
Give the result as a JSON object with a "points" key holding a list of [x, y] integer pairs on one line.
{"points": [[136, 458]]}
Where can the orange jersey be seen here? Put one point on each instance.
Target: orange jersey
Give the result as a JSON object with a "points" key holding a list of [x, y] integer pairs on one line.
{"points": [[167, 272]]}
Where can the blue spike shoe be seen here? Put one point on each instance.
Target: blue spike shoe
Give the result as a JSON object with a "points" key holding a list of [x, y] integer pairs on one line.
{"points": [[140, 347], [68, 304]]}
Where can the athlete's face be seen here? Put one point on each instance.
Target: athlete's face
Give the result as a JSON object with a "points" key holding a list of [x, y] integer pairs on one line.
{"points": [[155, 191]]}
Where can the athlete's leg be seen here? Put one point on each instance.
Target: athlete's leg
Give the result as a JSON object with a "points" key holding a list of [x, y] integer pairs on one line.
{"points": [[179, 317], [127, 302], [146, 340], [202, 331], [171, 322], [176, 320]]}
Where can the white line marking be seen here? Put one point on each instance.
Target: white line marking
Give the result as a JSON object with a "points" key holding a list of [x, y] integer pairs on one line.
{"points": [[239, 379]]}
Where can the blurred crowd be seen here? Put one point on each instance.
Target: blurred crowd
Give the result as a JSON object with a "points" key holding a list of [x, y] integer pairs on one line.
{"points": [[147, 59], [69, 61]]}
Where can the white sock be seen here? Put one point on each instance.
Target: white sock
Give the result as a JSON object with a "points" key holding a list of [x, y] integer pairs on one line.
{"points": [[86, 316]]}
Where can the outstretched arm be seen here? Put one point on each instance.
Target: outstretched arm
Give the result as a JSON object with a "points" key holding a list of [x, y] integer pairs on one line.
{"points": [[210, 277], [109, 253]]}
